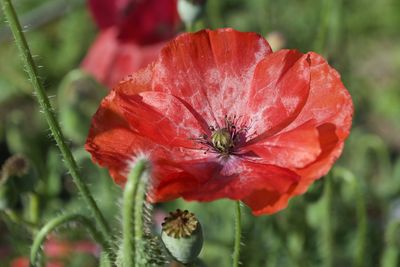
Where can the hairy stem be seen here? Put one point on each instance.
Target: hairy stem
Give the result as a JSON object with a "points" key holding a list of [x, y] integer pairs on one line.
{"points": [[55, 129], [138, 224], [238, 232], [129, 216], [56, 222]]}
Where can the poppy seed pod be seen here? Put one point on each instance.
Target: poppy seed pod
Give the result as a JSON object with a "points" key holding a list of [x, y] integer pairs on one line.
{"points": [[182, 236]]}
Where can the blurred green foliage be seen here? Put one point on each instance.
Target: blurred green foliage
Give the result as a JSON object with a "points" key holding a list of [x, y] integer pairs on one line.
{"points": [[360, 39]]}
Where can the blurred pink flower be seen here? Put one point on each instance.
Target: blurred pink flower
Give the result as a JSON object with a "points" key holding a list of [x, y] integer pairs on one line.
{"points": [[132, 33], [24, 262], [60, 248], [57, 251]]}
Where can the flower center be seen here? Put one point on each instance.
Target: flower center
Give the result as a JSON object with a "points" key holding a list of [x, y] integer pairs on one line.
{"points": [[225, 141], [222, 141]]}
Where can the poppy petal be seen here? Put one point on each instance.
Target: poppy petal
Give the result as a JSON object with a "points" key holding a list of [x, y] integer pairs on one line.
{"points": [[160, 117], [105, 12], [210, 70], [293, 149], [118, 133], [331, 108], [234, 180], [154, 20], [266, 201], [278, 93]]}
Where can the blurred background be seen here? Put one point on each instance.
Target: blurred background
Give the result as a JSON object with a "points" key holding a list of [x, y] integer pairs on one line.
{"points": [[356, 224]]}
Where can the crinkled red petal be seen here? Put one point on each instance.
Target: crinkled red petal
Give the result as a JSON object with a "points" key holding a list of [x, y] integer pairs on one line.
{"points": [[211, 70], [331, 108], [278, 92], [293, 149], [235, 179]]}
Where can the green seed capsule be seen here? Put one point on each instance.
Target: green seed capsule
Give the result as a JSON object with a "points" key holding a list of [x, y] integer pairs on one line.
{"points": [[182, 236]]}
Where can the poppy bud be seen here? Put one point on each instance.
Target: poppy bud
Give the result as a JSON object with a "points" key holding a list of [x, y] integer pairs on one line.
{"points": [[18, 173], [16, 165], [190, 10], [182, 236]]}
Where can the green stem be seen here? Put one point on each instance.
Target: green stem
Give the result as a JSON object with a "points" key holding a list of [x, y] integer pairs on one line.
{"points": [[34, 208], [129, 216], [138, 224], [391, 252], [238, 232], [327, 228], [49, 115], [361, 212], [321, 38], [56, 222], [17, 219]]}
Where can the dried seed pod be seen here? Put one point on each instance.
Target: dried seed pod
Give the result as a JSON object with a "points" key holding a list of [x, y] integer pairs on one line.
{"points": [[182, 236]]}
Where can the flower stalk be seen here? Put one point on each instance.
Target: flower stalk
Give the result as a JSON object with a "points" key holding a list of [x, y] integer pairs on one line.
{"points": [[238, 233], [361, 212], [390, 256], [327, 228], [132, 221], [55, 129]]}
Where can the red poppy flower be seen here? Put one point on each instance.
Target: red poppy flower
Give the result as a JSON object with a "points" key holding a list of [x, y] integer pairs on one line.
{"points": [[221, 116], [132, 34]]}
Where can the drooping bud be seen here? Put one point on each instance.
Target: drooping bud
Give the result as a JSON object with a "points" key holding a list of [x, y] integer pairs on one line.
{"points": [[190, 10], [15, 177], [16, 165], [182, 236]]}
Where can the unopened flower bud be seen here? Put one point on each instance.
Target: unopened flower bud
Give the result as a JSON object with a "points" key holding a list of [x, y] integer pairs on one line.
{"points": [[182, 236], [190, 10], [16, 165]]}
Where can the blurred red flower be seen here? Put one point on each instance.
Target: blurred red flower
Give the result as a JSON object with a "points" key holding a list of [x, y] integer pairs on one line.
{"points": [[132, 33], [221, 116], [57, 251], [55, 248], [24, 262]]}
